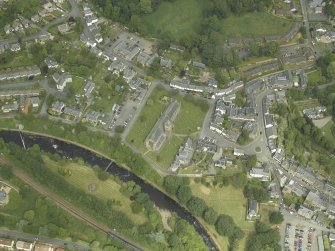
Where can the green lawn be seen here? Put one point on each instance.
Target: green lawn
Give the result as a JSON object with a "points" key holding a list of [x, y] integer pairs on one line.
{"points": [[82, 176], [315, 78], [187, 123], [328, 133], [254, 25], [226, 200], [179, 19]]}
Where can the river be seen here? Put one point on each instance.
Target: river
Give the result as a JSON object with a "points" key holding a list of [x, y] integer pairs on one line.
{"points": [[68, 150]]}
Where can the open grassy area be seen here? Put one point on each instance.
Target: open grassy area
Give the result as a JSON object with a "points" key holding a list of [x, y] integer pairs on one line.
{"points": [[187, 123], [327, 131], [226, 200], [83, 176], [254, 25], [178, 19], [315, 78]]}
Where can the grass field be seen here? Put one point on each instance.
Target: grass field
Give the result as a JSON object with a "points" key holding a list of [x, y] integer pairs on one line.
{"points": [[82, 176], [226, 200], [187, 123], [182, 18], [327, 131], [254, 25], [178, 19], [315, 78]]}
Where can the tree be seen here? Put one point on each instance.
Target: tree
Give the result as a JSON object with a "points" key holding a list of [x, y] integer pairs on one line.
{"points": [[171, 184], [136, 207], [275, 217], [225, 225], [29, 215], [272, 49], [252, 161], [184, 194], [119, 129], [6, 172], [197, 206], [210, 216], [240, 98]]}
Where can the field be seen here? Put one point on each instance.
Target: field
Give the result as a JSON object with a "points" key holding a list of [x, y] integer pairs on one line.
{"points": [[226, 200], [327, 131], [183, 18], [315, 78], [187, 123], [178, 19], [83, 176], [254, 25]]}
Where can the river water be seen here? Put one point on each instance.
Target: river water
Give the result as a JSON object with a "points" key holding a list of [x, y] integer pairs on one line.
{"points": [[72, 151]]}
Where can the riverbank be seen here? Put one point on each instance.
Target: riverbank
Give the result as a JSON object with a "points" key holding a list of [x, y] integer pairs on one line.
{"points": [[74, 150]]}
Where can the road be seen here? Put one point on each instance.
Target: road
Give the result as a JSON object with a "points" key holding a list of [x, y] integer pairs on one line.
{"points": [[306, 22], [67, 206], [33, 238]]}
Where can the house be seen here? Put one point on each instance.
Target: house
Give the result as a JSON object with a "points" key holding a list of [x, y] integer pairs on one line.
{"points": [[252, 210], [262, 174], [302, 79], [268, 121], [15, 47], [318, 10], [271, 133], [281, 80], [49, 7], [43, 247], [61, 80], [92, 117], [238, 152], [8, 29], [6, 244], [205, 146], [315, 112], [36, 18], [43, 13], [91, 19], [50, 63], [272, 145], [163, 127], [255, 86], [146, 59], [10, 107], [34, 101], [198, 64], [274, 190], [88, 88], [17, 26], [185, 85], [63, 28], [184, 155], [166, 63], [223, 162], [279, 156], [25, 246], [127, 48], [57, 107], [305, 212], [73, 112]]}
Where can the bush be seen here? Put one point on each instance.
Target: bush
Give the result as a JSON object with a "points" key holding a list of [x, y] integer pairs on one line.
{"points": [[197, 206], [136, 207], [210, 216], [275, 217], [184, 194]]}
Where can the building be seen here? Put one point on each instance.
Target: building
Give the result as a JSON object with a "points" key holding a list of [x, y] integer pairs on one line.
{"points": [[262, 174], [238, 152], [274, 190], [321, 247], [146, 59], [6, 244], [185, 85], [163, 127], [127, 48], [205, 146], [73, 112], [302, 79], [166, 63], [57, 107], [279, 156], [10, 107], [252, 210], [184, 156], [305, 212], [50, 63], [281, 80], [43, 247], [61, 80], [199, 65], [25, 246], [315, 112], [22, 72], [88, 89], [271, 133], [223, 162], [35, 101], [63, 28], [268, 121]]}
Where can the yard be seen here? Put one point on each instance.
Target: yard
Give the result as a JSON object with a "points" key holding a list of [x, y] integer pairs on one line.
{"points": [[84, 177], [315, 78], [188, 123], [308, 103], [226, 200]]}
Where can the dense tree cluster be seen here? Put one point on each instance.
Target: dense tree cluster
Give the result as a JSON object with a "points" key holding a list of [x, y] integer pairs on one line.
{"points": [[327, 65], [264, 239], [257, 190], [276, 217]]}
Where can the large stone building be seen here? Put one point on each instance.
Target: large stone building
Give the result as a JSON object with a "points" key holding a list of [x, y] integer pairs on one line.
{"points": [[163, 127]]}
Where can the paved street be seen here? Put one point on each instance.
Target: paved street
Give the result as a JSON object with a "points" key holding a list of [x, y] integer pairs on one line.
{"points": [[43, 239]]}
